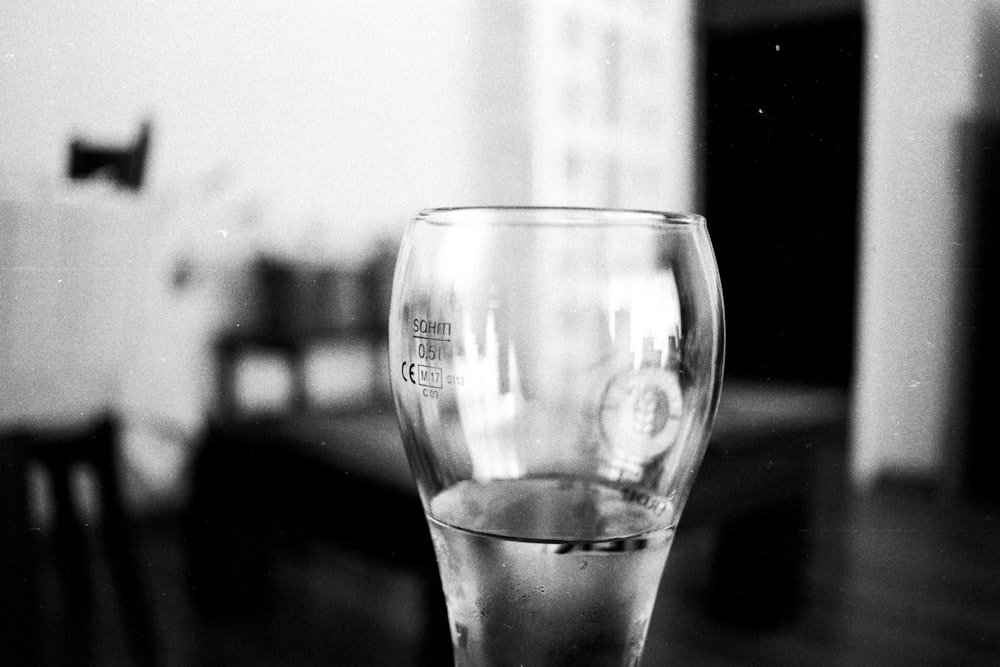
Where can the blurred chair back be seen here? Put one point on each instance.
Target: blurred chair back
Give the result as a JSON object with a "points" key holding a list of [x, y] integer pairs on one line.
{"points": [[322, 327]]}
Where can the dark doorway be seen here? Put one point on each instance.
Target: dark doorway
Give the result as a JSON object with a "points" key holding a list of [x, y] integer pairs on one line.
{"points": [[781, 132], [980, 175]]}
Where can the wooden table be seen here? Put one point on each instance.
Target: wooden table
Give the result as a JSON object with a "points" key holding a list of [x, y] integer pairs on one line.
{"points": [[346, 478]]}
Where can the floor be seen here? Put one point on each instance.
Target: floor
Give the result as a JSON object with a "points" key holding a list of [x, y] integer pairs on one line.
{"points": [[895, 578]]}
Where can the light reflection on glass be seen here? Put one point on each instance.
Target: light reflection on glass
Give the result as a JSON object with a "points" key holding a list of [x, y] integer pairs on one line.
{"points": [[489, 410], [652, 332]]}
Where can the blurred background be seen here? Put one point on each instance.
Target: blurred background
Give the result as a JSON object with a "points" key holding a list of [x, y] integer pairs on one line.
{"points": [[200, 205]]}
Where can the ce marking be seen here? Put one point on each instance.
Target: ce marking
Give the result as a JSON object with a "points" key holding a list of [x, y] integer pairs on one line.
{"points": [[425, 376], [428, 377], [408, 375]]}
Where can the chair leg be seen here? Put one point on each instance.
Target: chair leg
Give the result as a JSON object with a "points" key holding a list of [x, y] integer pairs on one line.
{"points": [[18, 613], [123, 561], [73, 564]]}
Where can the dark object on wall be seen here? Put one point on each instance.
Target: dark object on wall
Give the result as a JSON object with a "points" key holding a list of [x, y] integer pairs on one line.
{"points": [[125, 166]]}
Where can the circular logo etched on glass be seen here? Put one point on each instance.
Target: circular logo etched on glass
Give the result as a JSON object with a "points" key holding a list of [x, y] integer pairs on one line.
{"points": [[641, 414]]}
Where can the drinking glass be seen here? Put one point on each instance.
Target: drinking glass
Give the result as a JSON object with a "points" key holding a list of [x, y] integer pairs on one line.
{"points": [[555, 374]]}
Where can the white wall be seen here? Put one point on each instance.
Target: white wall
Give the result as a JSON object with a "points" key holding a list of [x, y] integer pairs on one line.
{"points": [[923, 73], [357, 105]]}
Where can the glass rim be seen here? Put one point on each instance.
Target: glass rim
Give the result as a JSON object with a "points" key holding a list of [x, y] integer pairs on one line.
{"points": [[555, 216]]}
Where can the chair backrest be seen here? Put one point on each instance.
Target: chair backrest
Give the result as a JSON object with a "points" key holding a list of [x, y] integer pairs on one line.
{"points": [[90, 442]]}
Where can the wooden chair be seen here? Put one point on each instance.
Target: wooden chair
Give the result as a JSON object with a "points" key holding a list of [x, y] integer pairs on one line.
{"points": [[58, 451]]}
